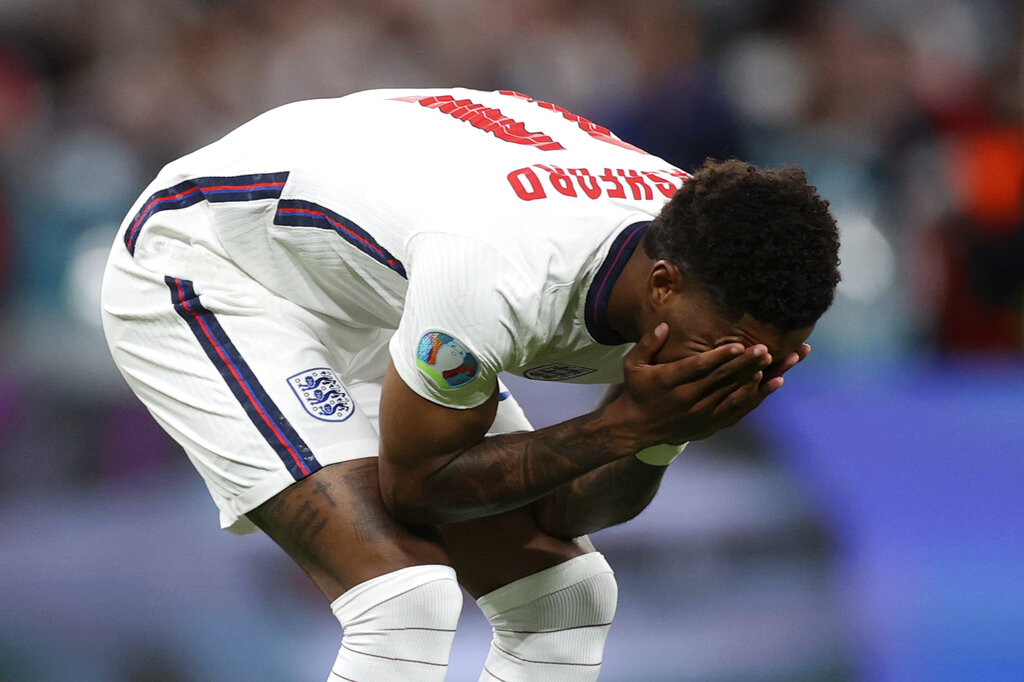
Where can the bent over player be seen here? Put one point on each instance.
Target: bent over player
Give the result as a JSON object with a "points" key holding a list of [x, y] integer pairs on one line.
{"points": [[317, 308]]}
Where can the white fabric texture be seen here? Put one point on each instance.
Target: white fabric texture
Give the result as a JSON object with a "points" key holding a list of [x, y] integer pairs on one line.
{"points": [[398, 626], [551, 626], [167, 367], [339, 206]]}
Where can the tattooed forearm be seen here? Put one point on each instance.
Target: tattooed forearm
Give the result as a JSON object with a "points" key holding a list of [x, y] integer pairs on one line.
{"points": [[609, 495], [512, 470]]}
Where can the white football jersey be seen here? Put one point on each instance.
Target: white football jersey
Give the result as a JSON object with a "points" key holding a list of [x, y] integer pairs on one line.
{"points": [[485, 228]]}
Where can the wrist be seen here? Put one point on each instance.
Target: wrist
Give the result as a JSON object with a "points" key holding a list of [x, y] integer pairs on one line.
{"points": [[621, 430], [660, 455]]}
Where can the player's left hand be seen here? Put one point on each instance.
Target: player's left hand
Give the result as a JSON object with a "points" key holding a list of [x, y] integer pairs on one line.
{"points": [[744, 398], [772, 379]]}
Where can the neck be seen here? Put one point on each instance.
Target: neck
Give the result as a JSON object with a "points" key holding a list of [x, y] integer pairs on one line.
{"points": [[625, 305]]}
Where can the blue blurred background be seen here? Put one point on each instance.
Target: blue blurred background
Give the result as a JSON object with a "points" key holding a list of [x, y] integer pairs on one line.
{"points": [[865, 524]]}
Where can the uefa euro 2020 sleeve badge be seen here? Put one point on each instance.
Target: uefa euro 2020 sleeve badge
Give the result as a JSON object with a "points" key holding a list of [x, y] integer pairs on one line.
{"points": [[446, 360], [322, 394]]}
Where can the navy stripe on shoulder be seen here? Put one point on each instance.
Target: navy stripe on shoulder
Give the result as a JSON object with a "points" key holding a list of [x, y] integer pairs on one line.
{"points": [[298, 213], [596, 311], [265, 415], [213, 189]]}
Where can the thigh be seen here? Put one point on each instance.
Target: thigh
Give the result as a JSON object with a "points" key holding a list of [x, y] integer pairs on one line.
{"points": [[334, 525], [254, 389], [494, 551], [237, 375]]}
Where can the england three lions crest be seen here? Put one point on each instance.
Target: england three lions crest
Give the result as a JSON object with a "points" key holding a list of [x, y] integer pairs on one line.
{"points": [[322, 394]]}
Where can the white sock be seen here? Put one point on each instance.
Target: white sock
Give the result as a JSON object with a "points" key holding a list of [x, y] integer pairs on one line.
{"points": [[398, 626], [551, 626]]}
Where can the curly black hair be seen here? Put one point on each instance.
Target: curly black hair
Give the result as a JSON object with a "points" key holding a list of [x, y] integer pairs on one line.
{"points": [[760, 242]]}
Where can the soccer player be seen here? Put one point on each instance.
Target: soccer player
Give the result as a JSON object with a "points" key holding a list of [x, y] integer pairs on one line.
{"points": [[317, 308]]}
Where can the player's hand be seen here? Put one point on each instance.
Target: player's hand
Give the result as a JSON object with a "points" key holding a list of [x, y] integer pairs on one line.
{"points": [[773, 380], [692, 398]]}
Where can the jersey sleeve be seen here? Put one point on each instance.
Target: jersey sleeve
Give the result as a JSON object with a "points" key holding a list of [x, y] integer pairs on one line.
{"points": [[465, 312]]}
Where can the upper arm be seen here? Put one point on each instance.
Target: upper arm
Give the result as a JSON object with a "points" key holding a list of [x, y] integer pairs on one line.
{"points": [[466, 314], [420, 437], [462, 319]]}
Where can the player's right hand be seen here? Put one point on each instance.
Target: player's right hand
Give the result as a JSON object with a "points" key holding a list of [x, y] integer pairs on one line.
{"points": [[690, 398]]}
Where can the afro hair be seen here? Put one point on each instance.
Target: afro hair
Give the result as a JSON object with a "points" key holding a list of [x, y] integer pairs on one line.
{"points": [[760, 242]]}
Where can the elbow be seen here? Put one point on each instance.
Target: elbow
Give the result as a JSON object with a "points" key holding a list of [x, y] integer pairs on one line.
{"points": [[411, 512], [554, 517], [400, 502], [421, 497], [409, 502], [567, 519]]}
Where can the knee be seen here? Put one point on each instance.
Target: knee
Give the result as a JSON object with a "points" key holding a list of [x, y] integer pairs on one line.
{"points": [[560, 614], [413, 610]]}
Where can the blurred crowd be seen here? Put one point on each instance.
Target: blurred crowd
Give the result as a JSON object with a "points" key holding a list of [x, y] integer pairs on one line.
{"points": [[907, 115]]}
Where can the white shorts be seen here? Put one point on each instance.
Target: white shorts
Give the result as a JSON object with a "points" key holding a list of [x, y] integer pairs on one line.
{"points": [[259, 391]]}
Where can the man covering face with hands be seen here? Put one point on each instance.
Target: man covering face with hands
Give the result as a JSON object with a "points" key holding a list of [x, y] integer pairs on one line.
{"points": [[318, 307]]}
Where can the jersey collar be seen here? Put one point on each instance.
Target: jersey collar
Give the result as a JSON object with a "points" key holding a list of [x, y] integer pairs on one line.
{"points": [[595, 313]]}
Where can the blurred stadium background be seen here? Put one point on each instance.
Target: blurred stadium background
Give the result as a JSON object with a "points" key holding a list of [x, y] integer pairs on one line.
{"points": [[866, 524]]}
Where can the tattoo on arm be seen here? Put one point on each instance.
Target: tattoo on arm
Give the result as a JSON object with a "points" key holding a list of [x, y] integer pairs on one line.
{"points": [[606, 496], [512, 470]]}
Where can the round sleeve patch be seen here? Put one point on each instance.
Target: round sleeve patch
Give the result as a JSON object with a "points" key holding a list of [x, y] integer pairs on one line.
{"points": [[446, 360]]}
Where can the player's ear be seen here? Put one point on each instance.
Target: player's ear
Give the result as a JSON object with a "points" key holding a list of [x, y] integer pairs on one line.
{"points": [[665, 281]]}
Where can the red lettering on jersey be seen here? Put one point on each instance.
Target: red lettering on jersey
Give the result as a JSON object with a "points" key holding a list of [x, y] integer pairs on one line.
{"points": [[615, 191], [682, 175], [589, 127], [559, 180], [586, 181], [526, 192], [664, 185], [640, 189], [484, 118], [528, 183]]}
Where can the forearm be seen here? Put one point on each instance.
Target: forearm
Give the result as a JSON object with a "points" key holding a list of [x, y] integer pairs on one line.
{"points": [[509, 471], [436, 466], [609, 495]]}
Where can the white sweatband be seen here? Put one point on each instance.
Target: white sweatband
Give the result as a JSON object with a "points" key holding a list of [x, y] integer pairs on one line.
{"points": [[660, 455]]}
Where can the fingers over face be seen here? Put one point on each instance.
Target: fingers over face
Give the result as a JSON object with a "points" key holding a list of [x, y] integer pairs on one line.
{"points": [[771, 385], [647, 348], [733, 398], [773, 377], [700, 365], [738, 370], [717, 371], [783, 366]]}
